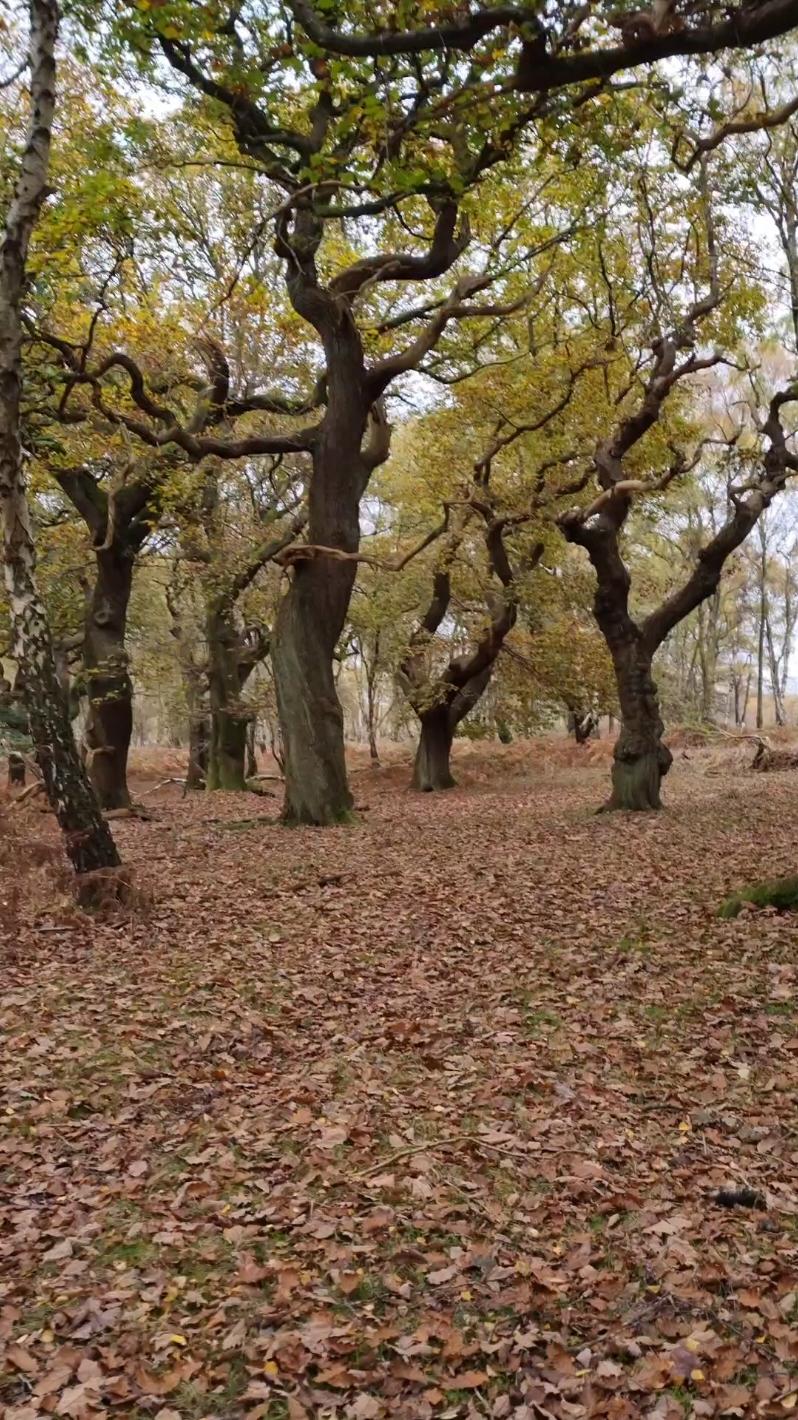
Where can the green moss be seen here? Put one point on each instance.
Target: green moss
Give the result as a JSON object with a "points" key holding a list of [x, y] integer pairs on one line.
{"points": [[781, 893]]}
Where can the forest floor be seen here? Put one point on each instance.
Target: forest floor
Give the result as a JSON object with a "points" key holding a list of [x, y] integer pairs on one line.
{"points": [[424, 1117]]}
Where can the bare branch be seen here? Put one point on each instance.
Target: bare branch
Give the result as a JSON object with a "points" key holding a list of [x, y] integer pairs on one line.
{"points": [[762, 119]]}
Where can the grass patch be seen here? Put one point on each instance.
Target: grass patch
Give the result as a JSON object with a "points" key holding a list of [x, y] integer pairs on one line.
{"points": [[781, 893]]}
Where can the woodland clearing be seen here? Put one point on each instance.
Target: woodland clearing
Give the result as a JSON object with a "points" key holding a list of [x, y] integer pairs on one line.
{"points": [[420, 1117]]}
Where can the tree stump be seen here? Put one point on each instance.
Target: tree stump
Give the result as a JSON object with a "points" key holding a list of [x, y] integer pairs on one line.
{"points": [[16, 770], [767, 758]]}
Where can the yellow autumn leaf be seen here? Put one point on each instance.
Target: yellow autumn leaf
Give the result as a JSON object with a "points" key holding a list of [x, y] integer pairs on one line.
{"points": [[697, 1375], [271, 1368], [177, 1339]]}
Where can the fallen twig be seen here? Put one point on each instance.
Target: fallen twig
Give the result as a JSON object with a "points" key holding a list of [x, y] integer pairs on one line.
{"points": [[436, 1144]]}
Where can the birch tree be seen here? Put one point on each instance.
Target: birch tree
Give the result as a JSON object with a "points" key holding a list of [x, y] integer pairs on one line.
{"points": [[87, 837]]}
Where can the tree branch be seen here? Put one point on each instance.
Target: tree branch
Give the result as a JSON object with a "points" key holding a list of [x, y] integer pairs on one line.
{"points": [[446, 246]]}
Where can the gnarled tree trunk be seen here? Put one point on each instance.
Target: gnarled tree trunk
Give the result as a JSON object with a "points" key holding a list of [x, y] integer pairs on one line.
{"points": [[309, 621], [313, 611], [432, 765], [109, 725], [431, 769], [640, 759], [229, 716]]}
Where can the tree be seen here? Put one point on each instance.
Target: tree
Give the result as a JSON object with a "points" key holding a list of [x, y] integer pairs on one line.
{"points": [[641, 759], [352, 126], [87, 837], [153, 262], [235, 645]]}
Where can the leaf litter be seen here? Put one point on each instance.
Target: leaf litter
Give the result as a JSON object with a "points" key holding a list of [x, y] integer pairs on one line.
{"points": [[424, 1117]]}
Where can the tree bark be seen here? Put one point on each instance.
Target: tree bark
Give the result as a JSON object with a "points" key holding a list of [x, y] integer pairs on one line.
{"points": [[313, 611], [199, 738], [227, 751], [309, 622], [640, 759], [87, 836], [16, 770], [251, 766], [109, 725], [229, 717], [371, 701], [775, 684], [431, 770], [581, 723]]}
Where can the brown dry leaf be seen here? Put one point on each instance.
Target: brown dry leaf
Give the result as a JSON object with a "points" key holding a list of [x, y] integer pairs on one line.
{"points": [[443, 1274], [215, 1108], [468, 1380], [58, 1252], [20, 1358], [365, 1407], [53, 1380], [296, 1411]]}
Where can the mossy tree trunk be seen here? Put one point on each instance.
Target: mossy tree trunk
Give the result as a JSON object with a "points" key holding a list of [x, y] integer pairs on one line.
{"points": [[119, 522], [431, 769], [109, 724], [640, 758], [312, 612], [229, 716], [309, 622]]}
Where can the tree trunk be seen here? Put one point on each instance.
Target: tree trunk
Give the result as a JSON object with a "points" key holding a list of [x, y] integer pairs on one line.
{"points": [[251, 757], [431, 770], [371, 712], [229, 717], [760, 660], [581, 723], [640, 758], [16, 770], [87, 837], [109, 725], [371, 701], [199, 738], [775, 683], [310, 620], [737, 686], [227, 750]]}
